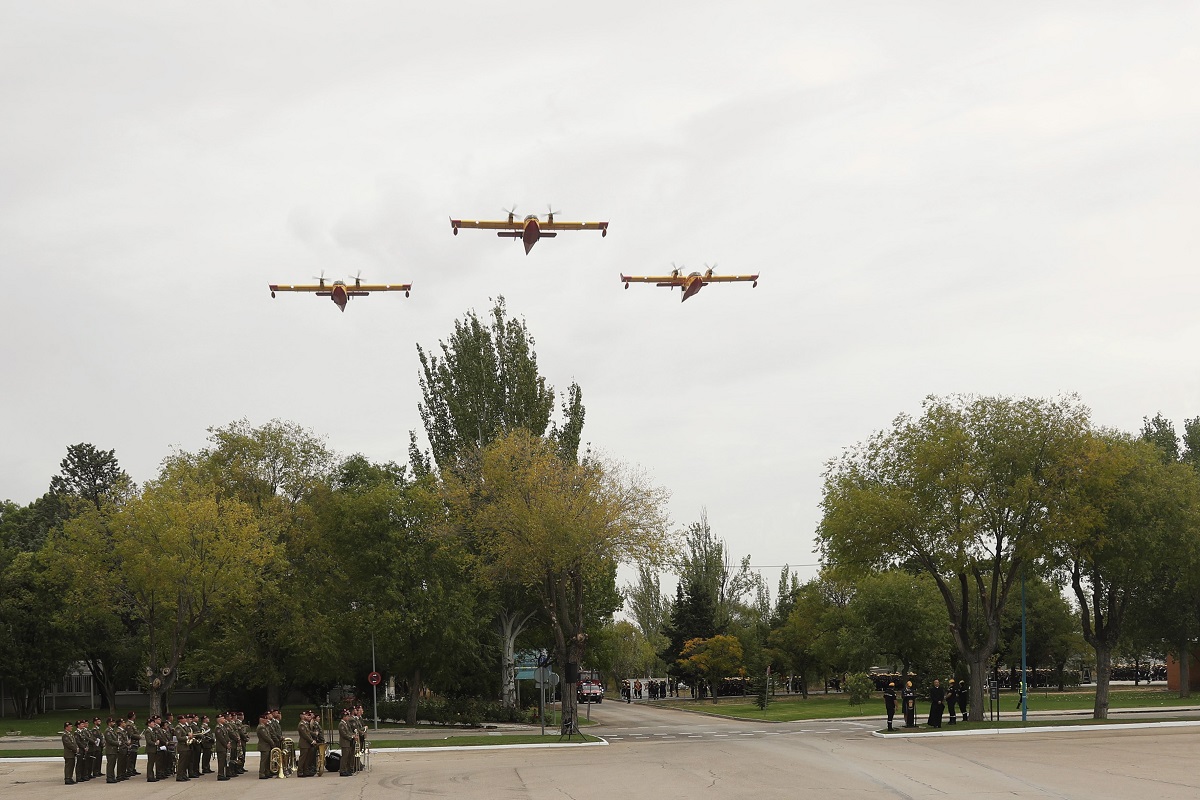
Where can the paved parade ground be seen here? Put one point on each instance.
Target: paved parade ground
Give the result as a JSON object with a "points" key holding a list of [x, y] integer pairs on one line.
{"points": [[660, 754]]}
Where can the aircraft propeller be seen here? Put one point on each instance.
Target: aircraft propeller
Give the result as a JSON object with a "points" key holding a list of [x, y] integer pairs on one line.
{"points": [[512, 212], [321, 278], [550, 212]]}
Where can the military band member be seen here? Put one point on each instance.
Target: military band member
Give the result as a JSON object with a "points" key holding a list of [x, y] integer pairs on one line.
{"points": [[111, 742], [221, 741], [135, 741], [346, 736], [183, 750], [319, 737], [263, 732], [207, 740], [122, 750], [95, 749], [166, 764], [83, 763], [197, 744], [70, 753], [244, 731], [150, 735], [307, 764], [361, 742]]}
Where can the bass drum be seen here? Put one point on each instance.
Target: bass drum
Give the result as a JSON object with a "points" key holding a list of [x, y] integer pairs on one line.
{"points": [[333, 761]]}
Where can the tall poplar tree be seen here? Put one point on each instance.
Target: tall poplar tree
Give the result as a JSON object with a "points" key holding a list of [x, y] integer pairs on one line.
{"points": [[486, 383]]}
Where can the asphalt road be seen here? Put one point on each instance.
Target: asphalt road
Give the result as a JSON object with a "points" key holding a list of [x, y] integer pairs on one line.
{"points": [[661, 754]]}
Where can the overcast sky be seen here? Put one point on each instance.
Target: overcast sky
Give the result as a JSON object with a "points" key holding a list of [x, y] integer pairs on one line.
{"points": [[941, 198]]}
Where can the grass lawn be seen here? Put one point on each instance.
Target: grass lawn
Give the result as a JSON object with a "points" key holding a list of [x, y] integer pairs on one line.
{"points": [[791, 708]]}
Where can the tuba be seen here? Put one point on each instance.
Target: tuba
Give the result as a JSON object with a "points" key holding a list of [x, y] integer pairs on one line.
{"points": [[289, 755], [321, 750], [276, 766]]}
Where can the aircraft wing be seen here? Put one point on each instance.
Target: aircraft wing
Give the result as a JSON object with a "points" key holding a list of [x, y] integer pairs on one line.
{"points": [[488, 224], [661, 280], [573, 226], [729, 278], [380, 287], [291, 287]]}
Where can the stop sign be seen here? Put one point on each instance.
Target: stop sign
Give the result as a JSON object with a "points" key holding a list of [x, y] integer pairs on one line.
{"points": [[374, 678]]}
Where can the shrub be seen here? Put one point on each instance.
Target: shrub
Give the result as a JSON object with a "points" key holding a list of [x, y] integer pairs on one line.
{"points": [[859, 686]]}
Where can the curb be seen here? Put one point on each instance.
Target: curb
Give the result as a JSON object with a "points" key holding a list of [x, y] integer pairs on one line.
{"points": [[1041, 729]]}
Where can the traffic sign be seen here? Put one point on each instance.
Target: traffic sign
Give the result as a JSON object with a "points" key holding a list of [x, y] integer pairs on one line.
{"points": [[374, 679], [551, 679]]}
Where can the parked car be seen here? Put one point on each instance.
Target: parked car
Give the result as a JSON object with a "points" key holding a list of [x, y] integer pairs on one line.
{"points": [[590, 692]]}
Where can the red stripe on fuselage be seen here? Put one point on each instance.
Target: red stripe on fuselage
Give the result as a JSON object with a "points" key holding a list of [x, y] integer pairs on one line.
{"points": [[531, 234]]}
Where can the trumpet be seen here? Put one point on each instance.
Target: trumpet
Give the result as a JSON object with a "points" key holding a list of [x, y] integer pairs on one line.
{"points": [[276, 762]]}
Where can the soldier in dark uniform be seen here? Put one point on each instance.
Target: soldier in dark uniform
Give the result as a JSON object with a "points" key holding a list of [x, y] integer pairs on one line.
{"points": [[951, 700], [937, 700], [122, 750], [346, 736], [306, 767], [263, 731], [165, 763], [222, 742], [151, 737], [83, 741], [197, 744], [909, 697], [111, 743], [889, 702], [244, 736], [207, 740], [963, 696], [183, 750], [361, 743], [95, 750], [135, 741], [70, 753]]}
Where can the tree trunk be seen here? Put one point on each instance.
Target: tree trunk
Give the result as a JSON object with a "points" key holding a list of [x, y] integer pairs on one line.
{"points": [[1185, 665], [1103, 673], [508, 628], [979, 685], [414, 691]]}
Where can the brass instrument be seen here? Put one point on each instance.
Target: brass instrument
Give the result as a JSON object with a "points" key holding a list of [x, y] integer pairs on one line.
{"points": [[289, 755], [322, 748], [276, 762]]}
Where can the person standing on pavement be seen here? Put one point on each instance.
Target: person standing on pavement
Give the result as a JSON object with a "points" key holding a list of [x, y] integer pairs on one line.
{"points": [[889, 702], [951, 699], [70, 752], [263, 732], [346, 735], [937, 700], [910, 705]]}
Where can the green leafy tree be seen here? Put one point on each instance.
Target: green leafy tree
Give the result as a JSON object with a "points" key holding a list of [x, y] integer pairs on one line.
{"points": [[36, 648], [404, 578], [897, 618], [180, 556], [276, 638], [1131, 508], [558, 527], [484, 384], [650, 609], [969, 493], [1052, 634], [107, 638], [713, 659]]}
